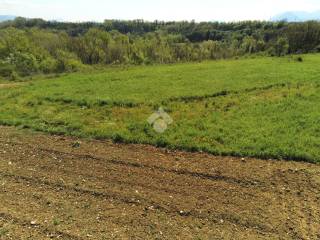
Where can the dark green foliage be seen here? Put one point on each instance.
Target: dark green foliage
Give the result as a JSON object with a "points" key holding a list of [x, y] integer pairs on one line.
{"points": [[280, 48], [6, 69], [30, 46]]}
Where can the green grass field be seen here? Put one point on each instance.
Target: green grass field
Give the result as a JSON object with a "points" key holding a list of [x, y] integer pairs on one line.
{"points": [[261, 107]]}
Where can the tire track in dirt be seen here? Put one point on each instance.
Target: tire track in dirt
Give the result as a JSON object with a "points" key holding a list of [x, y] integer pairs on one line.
{"points": [[212, 197], [37, 227], [148, 167], [144, 203], [141, 202], [130, 200], [49, 206]]}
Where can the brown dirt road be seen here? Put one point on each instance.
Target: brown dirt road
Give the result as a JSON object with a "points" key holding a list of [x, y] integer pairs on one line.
{"points": [[50, 188]]}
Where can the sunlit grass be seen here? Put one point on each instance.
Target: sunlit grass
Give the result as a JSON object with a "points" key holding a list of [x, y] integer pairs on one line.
{"points": [[263, 107]]}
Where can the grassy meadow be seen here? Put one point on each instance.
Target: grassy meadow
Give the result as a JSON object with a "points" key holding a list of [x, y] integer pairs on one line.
{"points": [[262, 107]]}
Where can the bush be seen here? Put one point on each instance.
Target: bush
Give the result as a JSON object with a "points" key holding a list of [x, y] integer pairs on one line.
{"points": [[67, 62], [13, 76], [147, 61], [271, 51], [25, 63], [72, 65], [49, 65], [281, 47], [6, 69]]}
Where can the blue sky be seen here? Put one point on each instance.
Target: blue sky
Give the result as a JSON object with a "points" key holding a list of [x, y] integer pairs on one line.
{"points": [[199, 10]]}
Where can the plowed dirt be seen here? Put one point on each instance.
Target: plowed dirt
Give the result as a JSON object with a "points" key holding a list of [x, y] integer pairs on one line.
{"points": [[54, 187]]}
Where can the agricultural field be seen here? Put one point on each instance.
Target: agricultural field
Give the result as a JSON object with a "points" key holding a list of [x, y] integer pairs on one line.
{"points": [[188, 122], [57, 187], [96, 174], [255, 107]]}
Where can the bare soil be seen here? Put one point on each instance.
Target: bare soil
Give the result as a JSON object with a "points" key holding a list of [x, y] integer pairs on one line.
{"points": [[54, 187]]}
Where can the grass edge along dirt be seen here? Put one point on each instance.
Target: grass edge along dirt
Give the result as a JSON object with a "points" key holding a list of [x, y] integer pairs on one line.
{"points": [[198, 118]]}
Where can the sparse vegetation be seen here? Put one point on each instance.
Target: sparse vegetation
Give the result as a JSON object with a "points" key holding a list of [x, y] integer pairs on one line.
{"points": [[3, 231], [56, 222]]}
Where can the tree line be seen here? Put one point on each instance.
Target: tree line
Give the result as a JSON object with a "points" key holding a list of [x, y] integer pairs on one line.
{"points": [[30, 46]]}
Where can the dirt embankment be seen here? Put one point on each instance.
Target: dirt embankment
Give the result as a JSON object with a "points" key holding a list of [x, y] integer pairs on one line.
{"points": [[54, 187]]}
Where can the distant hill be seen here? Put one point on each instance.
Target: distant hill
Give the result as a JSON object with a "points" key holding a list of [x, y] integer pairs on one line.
{"points": [[298, 16], [6, 17]]}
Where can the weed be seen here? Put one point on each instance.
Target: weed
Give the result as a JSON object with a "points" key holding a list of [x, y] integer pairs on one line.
{"points": [[262, 107]]}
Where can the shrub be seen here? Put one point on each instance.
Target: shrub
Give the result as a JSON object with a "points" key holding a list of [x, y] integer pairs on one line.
{"points": [[147, 61], [49, 65], [72, 65], [6, 69], [25, 63], [281, 47], [67, 62], [13, 76], [271, 51]]}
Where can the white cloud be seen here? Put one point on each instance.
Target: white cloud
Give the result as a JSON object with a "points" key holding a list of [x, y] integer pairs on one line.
{"points": [[201, 10]]}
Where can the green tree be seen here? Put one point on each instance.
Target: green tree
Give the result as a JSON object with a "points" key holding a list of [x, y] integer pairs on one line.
{"points": [[281, 47]]}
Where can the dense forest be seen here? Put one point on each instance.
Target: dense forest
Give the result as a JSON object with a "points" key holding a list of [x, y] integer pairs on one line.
{"points": [[30, 46]]}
